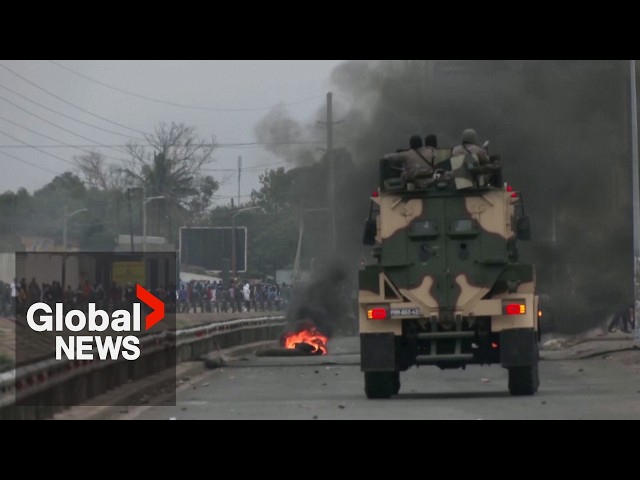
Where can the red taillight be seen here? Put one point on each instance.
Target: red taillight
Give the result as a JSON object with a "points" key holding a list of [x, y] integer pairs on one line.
{"points": [[509, 188], [494, 345], [515, 309], [375, 194], [514, 195], [377, 313]]}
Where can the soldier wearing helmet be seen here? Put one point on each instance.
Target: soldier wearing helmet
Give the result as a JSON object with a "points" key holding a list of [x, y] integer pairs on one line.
{"points": [[469, 145], [417, 162]]}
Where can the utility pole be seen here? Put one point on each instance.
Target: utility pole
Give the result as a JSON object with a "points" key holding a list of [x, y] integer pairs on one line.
{"points": [[144, 219], [331, 175], [636, 197], [130, 217], [332, 172], [234, 263], [239, 176]]}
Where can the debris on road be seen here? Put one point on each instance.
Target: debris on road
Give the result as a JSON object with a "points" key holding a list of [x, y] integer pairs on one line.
{"points": [[554, 344]]}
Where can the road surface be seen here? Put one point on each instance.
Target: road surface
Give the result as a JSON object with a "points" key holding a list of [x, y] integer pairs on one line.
{"points": [[332, 388]]}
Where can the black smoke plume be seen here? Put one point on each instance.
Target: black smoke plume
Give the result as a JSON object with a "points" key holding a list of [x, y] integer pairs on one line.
{"points": [[327, 300], [562, 129]]}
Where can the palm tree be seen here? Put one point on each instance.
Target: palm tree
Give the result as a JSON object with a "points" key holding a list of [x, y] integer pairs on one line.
{"points": [[174, 172]]}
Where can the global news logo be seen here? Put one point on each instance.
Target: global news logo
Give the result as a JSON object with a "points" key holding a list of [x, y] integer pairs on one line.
{"points": [[42, 318]]}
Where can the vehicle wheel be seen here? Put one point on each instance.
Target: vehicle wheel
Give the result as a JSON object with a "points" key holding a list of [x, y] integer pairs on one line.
{"points": [[396, 383], [524, 380], [379, 384]]}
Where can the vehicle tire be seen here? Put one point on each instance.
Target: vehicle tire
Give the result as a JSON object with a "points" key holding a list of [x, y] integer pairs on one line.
{"points": [[524, 380], [396, 383], [379, 384]]}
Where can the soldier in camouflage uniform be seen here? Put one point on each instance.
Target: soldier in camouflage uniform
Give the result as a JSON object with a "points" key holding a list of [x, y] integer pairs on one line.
{"points": [[418, 163], [469, 145]]}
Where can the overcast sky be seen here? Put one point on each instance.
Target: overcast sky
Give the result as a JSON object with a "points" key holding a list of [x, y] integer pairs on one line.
{"points": [[43, 104]]}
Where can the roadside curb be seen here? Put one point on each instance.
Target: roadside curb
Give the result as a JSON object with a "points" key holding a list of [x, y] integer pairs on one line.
{"points": [[128, 396]]}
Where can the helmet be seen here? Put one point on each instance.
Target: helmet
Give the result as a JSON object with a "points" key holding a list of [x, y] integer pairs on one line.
{"points": [[470, 136], [415, 142], [431, 141]]}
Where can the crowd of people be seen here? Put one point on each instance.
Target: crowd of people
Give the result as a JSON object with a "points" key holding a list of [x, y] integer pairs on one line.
{"points": [[194, 296], [19, 295], [235, 296]]}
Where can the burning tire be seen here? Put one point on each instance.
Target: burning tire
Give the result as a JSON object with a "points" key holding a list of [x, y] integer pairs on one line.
{"points": [[381, 384], [306, 339]]}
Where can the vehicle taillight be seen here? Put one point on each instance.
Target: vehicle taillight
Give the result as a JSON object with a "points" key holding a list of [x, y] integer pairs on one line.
{"points": [[514, 309], [377, 313]]}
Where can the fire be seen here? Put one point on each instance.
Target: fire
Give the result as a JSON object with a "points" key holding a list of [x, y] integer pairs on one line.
{"points": [[308, 337]]}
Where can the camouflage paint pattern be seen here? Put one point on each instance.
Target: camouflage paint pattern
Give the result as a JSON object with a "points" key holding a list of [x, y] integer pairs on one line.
{"points": [[447, 252]]}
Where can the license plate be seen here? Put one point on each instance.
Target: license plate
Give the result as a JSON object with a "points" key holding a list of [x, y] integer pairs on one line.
{"points": [[406, 312]]}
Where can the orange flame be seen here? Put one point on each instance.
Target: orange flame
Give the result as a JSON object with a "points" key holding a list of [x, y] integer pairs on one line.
{"points": [[309, 336]]}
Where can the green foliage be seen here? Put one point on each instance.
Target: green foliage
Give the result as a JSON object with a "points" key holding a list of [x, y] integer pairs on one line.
{"points": [[174, 172], [5, 363], [170, 166]]}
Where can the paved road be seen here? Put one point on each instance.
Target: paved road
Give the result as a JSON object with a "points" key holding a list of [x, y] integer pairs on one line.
{"points": [[332, 388]]}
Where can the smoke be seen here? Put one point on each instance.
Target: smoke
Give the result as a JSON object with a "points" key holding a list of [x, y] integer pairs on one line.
{"points": [[287, 138], [561, 129], [325, 300]]}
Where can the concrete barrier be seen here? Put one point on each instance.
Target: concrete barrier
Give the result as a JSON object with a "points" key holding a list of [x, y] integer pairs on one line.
{"points": [[50, 386]]}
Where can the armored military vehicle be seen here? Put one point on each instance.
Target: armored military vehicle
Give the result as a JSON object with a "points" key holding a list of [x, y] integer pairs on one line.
{"points": [[447, 288]]}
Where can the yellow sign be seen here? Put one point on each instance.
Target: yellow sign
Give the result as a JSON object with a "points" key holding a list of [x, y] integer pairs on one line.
{"points": [[125, 272]]}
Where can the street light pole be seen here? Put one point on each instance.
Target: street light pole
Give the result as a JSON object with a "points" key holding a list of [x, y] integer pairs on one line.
{"points": [[303, 212], [65, 219], [234, 265], [144, 216]]}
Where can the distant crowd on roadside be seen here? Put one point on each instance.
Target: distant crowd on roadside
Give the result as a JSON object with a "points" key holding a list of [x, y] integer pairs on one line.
{"points": [[192, 297], [234, 296], [18, 296]]}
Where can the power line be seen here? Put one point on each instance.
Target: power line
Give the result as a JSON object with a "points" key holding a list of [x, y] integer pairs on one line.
{"points": [[255, 167], [39, 149], [54, 124], [229, 196], [181, 105], [69, 103], [29, 163], [216, 145], [64, 114], [65, 145]]}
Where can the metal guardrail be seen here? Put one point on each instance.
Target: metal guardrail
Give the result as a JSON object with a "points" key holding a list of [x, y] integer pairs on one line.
{"points": [[26, 381]]}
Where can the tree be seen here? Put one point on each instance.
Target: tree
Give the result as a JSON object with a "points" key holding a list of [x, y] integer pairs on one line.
{"points": [[97, 173], [275, 193], [174, 171]]}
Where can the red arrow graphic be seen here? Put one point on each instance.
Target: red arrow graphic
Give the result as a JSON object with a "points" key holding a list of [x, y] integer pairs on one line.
{"points": [[154, 302]]}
